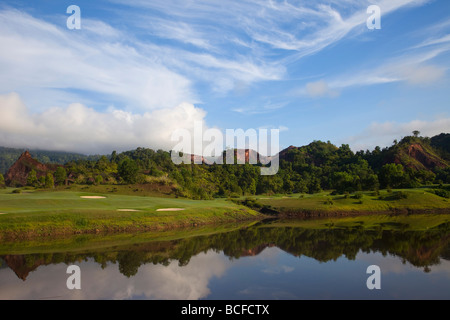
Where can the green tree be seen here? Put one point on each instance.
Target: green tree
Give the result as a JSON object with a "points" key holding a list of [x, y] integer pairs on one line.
{"points": [[49, 181], [128, 170], [314, 186], [392, 175], [2, 181], [41, 181], [416, 133], [32, 178], [98, 179], [60, 176]]}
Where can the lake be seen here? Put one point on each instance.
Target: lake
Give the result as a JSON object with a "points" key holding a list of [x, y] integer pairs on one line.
{"points": [[287, 260]]}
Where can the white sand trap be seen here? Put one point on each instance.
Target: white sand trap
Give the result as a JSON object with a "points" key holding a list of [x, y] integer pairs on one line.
{"points": [[2, 213], [128, 210], [171, 209], [92, 197]]}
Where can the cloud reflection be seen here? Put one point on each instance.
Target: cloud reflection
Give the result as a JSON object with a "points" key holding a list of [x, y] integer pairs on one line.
{"points": [[151, 282]]}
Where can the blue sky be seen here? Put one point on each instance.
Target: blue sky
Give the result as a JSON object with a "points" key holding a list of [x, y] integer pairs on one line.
{"points": [[138, 70]]}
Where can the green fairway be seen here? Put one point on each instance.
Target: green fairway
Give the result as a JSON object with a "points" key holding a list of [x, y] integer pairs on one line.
{"points": [[31, 213]]}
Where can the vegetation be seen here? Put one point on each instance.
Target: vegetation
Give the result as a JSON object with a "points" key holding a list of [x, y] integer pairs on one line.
{"points": [[307, 170], [389, 180], [326, 204]]}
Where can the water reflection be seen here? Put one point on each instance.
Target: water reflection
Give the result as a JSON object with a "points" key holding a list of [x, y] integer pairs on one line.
{"points": [[259, 262]]}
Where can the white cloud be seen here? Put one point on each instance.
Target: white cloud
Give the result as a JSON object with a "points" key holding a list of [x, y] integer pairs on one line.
{"points": [[320, 89], [423, 75], [383, 134], [83, 129], [151, 282]]}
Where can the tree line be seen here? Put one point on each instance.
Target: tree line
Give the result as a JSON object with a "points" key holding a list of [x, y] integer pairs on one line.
{"points": [[308, 169]]}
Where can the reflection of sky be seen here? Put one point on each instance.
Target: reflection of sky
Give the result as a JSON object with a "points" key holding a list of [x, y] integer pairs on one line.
{"points": [[151, 281], [271, 275]]}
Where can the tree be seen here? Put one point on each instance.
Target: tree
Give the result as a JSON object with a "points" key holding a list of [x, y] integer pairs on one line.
{"points": [[98, 180], [392, 175], [314, 186], [416, 133], [49, 181], [60, 176], [2, 181], [128, 170], [41, 181], [32, 178]]}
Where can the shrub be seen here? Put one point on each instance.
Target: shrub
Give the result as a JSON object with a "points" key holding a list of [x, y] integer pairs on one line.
{"points": [[400, 195], [17, 191], [441, 193], [358, 195]]}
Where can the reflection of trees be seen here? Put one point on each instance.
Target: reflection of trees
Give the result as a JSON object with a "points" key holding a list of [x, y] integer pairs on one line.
{"points": [[420, 248], [130, 261]]}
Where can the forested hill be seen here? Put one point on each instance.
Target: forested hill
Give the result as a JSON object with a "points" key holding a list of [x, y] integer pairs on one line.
{"points": [[9, 155], [411, 162]]}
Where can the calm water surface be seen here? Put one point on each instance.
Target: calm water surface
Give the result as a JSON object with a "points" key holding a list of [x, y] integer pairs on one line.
{"points": [[265, 261]]}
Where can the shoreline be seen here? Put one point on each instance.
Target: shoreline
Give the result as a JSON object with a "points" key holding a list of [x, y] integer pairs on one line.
{"points": [[113, 228], [311, 213]]}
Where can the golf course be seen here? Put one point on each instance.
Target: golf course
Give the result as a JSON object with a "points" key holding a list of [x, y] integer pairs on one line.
{"points": [[33, 213], [30, 213]]}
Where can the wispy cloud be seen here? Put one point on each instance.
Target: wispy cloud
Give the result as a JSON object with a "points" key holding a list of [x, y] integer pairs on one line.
{"points": [[42, 56], [262, 109]]}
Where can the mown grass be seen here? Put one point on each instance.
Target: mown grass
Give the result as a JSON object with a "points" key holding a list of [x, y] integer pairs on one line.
{"points": [[44, 213], [416, 199]]}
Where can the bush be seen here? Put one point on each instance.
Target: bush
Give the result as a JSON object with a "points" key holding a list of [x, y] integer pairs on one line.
{"points": [[441, 193], [358, 195], [17, 191], [400, 195]]}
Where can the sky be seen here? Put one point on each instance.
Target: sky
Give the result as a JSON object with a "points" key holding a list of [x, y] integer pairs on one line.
{"points": [[136, 71]]}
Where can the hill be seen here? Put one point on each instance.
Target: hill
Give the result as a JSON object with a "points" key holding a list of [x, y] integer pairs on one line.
{"points": [[413, 162]]}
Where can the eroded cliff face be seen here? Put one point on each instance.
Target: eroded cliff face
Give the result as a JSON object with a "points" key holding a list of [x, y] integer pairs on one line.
{"points": [[18, 173]]}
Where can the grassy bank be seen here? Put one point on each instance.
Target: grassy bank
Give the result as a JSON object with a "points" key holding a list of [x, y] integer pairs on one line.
{"points": [[44, 213], [395, 201], [32, 213]]}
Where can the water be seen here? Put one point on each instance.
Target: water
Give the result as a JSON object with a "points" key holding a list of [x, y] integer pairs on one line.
{"points": [[264, 261]]}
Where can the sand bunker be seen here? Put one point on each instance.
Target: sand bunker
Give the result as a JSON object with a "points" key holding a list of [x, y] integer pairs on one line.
{"points": [[2, 213], [92, 197], [171, 209], [128, 210]]}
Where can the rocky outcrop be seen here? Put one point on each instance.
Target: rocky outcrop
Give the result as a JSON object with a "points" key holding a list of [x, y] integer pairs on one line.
{"points": [[18, 173]]}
